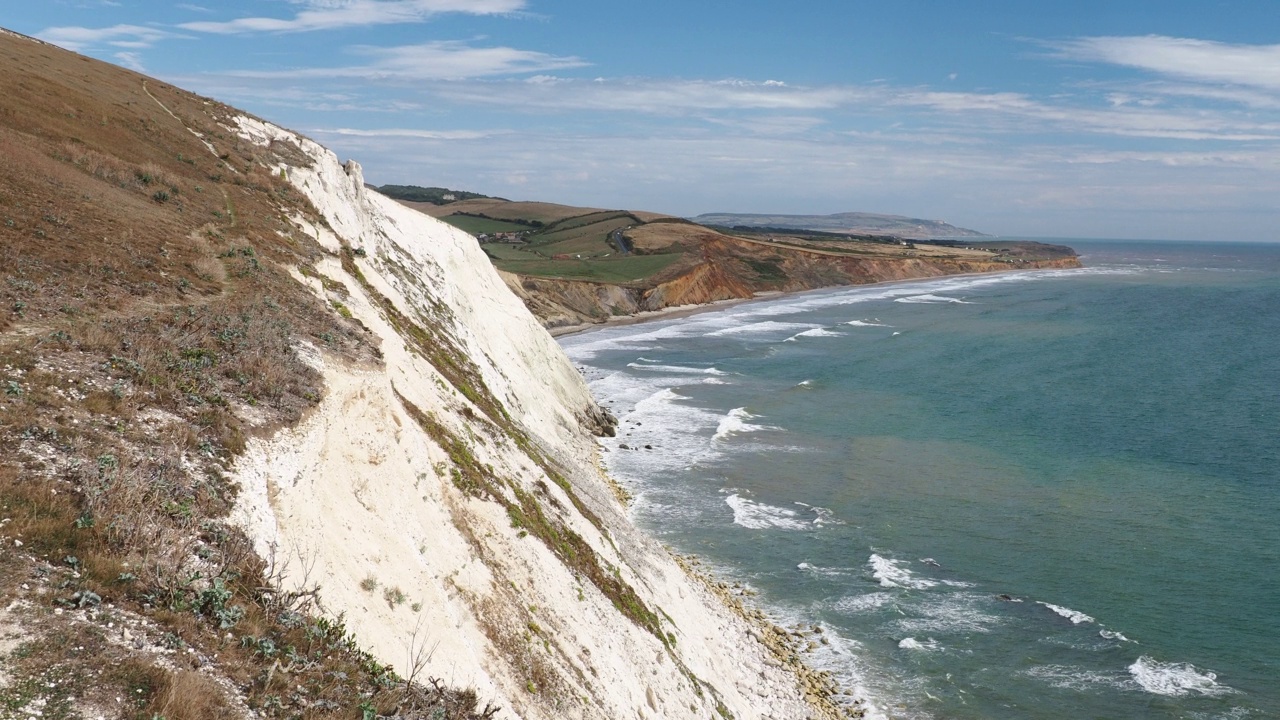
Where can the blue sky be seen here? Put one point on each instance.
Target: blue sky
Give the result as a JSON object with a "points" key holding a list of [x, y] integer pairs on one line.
{"points": [[1083, 119]]}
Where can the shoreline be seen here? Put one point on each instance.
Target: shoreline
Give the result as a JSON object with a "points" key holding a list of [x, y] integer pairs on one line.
{"points": [[681, 311], [829, 697]]}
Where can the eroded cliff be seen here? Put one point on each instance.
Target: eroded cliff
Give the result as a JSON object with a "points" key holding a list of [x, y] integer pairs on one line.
{"points": [[461, 474]]}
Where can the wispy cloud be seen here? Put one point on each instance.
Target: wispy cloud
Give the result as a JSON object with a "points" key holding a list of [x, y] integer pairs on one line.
{"points": [[131, 60], [125, 36], [1205, 61], [406, 133], [442, 60], [335, 14], [655, 96]]}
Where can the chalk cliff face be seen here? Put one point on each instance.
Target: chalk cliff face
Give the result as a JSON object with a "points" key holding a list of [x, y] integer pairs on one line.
{"points": [[449, 500]]}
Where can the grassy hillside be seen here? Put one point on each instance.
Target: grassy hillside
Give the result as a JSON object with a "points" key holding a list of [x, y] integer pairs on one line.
{"points": [[149, 320], [575, 265], [645, 249]]}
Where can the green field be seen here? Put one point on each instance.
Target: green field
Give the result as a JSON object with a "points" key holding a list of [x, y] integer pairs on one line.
{"points": [[613, 270], [479, 226]]}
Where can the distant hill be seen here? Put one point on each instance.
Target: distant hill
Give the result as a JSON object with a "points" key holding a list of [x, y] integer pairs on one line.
{"points": [[575, 265], [433, 195], [850, 222]]}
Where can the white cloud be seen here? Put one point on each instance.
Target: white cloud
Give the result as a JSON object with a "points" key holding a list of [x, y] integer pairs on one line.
{"points": [[661, 97], [410, 133], [128, 36], [131, 60], [334, 14], [443, 60], [1205, 61]]}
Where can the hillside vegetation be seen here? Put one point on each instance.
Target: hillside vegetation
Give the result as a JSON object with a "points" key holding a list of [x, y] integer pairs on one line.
{"points": [[634, 262], [150, 327], [279, 447]]}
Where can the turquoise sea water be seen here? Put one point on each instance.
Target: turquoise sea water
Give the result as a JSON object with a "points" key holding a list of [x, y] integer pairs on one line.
{"points": [[1101, 447]]}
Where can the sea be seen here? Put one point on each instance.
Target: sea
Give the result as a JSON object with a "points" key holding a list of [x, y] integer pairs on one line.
{"points": [[1043, 494]]}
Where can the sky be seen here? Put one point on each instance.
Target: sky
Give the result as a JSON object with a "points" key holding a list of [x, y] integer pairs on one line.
{"points": [[1092, 118]]}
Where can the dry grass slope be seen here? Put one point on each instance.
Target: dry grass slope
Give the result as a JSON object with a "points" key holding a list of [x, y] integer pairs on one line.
{"points": [[149, 327]]}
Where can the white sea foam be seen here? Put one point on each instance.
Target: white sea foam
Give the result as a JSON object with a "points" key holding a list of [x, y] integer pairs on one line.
{"points": [[825, 516], [1111, 635], [758, 516], [815, 332], [1074, 616], [736, 422], [953, 613], [677, 369], [867, 323], [826, 572], [914, 644], [891, 573], [855, 604], [766, 327], [1175, 679], [929, 299], [845, 659], [1069, 677], [805, 383]]}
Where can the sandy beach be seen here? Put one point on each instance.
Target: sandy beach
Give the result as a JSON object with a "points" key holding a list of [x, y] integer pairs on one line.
{"points": [[680, 311]]}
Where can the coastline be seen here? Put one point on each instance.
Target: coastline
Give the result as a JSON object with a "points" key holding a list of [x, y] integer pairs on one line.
{"points": [[682, 311], [788, 646]]}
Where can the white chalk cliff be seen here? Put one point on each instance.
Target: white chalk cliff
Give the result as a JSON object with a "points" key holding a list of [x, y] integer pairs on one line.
{"points": [[450, 501]]}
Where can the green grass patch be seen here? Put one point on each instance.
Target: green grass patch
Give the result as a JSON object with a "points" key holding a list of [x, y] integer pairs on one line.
{"points": [[482, 226], [631, 268]]}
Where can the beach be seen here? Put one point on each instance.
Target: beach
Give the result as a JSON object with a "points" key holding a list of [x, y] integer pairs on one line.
{"points": [[978, 513]]}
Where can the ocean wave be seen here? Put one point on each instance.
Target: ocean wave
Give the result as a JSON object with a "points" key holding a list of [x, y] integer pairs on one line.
{"points": [[1175, 679], [930, 299], [1112, 635], [856, 604], [758, 516], [676, 431], [825, 516], [805, 383], [954, 613], [845, 659], [680, 369], [757, 328], [914, 644], [867, 323], [1074, 616], [816, 332], [891, 573], [825, 572], [736, 422], [1069, 677]]}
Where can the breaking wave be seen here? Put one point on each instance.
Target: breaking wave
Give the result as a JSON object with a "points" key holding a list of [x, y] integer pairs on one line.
{"points": [[1175, 679], [931, 299], [891, 573], [758, 516], [1075, 617]]}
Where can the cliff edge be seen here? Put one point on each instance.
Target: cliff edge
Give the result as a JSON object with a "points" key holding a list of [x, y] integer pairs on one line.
{"points": [[280, 447]]}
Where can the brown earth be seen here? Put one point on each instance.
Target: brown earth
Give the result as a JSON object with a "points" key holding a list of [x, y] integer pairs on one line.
{"points": [[719, 267]]}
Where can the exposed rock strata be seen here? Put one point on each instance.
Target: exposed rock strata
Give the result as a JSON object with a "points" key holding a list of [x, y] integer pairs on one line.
{"points": [[563, 303]]}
